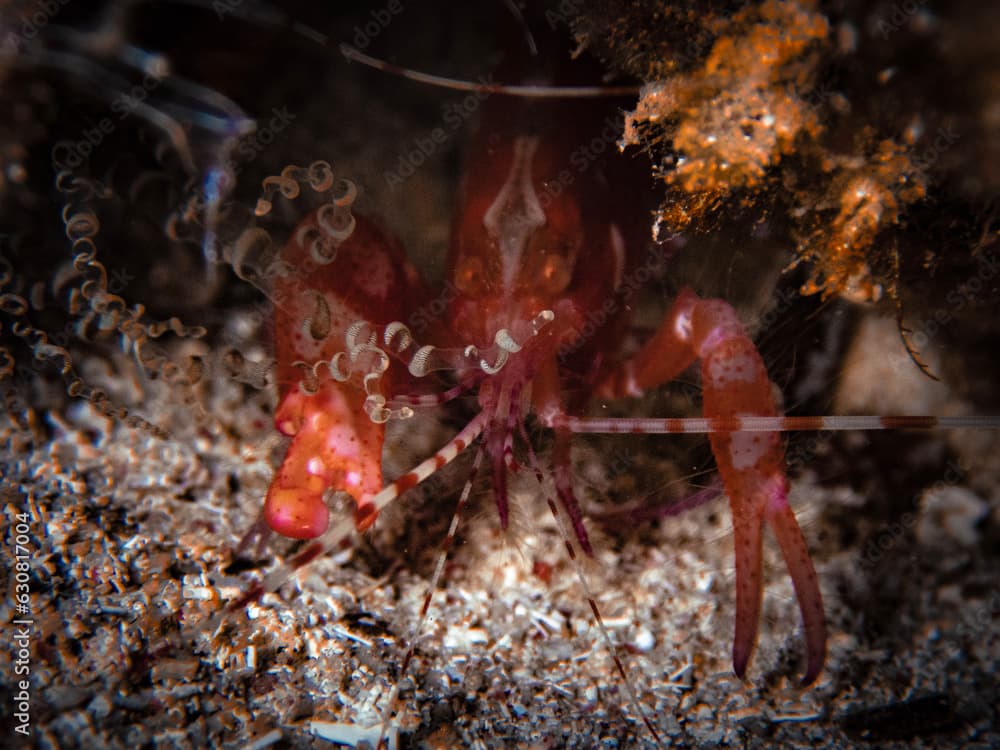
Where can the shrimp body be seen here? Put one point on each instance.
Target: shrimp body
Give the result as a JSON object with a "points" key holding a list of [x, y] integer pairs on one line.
{"points": [[543, 242]]}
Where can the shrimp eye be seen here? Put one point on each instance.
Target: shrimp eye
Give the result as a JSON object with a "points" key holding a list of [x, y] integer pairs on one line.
{"points": [[469, 275], [555, 274]]}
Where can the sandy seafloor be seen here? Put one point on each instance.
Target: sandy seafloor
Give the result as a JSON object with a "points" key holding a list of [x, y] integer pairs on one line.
{"points": [[132, 538]]}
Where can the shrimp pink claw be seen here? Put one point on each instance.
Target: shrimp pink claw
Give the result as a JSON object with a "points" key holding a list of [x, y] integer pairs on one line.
{"points": [[335, 446], [751, 464]]}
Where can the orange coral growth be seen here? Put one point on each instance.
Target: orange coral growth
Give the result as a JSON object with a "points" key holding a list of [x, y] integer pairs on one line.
{"points": [[746, 105], [736, 115], [869, 198]]}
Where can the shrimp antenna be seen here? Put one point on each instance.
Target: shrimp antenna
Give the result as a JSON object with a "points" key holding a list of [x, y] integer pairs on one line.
{"points": [[562, 525], [527, 92], [904, 332], [264, 14], [519, 16], [415, 629], [337, 534], [707, 425]]}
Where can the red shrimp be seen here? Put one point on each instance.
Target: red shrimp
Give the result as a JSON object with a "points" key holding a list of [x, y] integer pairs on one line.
{"points": [[535, 256], [544, 239]]}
